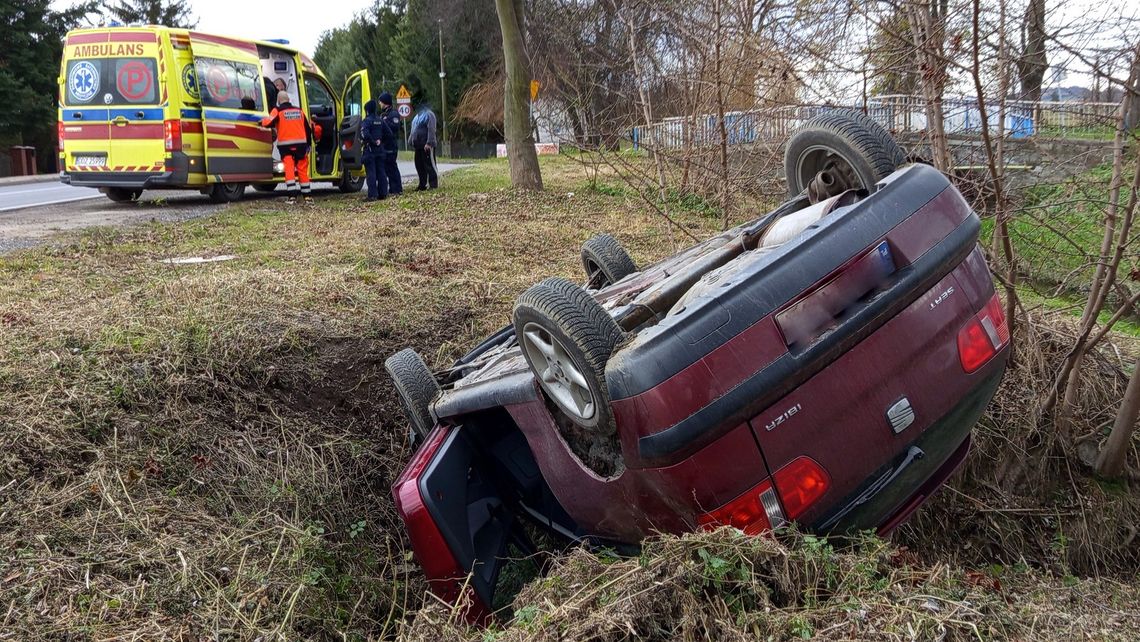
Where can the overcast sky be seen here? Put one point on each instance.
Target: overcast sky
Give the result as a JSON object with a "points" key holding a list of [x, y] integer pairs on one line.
{"points": [[301, 24]]}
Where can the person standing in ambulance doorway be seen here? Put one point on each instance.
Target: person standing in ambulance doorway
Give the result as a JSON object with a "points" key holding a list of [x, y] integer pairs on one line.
{"points": [[373, 130], [391, 146], [293, 138]]}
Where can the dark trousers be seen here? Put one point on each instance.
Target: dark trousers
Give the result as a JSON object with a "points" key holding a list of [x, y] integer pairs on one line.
{"points": [[395, 185], [425, 168], [374, 173]]}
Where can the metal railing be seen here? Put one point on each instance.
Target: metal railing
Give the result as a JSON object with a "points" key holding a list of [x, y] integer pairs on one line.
{"points": [[898, 113]]}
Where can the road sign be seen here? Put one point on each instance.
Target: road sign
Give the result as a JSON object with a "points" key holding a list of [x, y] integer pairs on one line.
{"points": [[404, 102]]}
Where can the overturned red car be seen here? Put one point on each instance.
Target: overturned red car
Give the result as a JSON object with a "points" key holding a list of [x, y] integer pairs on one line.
{"points": [[823, 364]]}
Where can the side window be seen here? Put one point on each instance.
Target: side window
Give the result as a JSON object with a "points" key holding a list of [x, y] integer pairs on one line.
{"points": [[352, 95], [320, 98], [229, 84]]}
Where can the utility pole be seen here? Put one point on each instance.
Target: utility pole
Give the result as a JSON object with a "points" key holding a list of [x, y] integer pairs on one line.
{"points": [[443, 89]]}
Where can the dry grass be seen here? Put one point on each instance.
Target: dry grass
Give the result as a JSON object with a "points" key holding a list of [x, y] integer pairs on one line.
{"points": [[724, 586], [205, 451]]}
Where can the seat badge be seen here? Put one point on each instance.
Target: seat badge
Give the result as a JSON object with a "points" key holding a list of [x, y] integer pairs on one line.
{"points": [[900, 415]]}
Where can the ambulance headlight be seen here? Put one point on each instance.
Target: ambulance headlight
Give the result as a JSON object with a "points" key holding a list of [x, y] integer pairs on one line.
{"points": [[279, 167]]}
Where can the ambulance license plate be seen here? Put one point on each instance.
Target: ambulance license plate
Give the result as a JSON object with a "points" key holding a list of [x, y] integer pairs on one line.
{"points": [[91, 160]]}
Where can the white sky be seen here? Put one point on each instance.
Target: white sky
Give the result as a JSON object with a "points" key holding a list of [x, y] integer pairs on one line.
{"points": [[302, 24]]}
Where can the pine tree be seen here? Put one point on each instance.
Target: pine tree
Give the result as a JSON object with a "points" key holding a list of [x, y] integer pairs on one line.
{"points": [[174, 13], [29, 64]]}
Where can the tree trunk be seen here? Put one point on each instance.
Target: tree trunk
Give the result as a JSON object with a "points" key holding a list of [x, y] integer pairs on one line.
{"points": [[521, 155], [1110, 462], [928, 31], [1032, 64]]}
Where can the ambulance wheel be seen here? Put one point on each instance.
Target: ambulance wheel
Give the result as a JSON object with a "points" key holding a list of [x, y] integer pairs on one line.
{"points": [[349, 183], [227, 192], [265, 187], [122, 195]]}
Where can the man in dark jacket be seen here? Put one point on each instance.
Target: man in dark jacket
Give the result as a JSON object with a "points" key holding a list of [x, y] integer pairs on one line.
{"points": [[423, 141], [373, 130], [391, 147]]}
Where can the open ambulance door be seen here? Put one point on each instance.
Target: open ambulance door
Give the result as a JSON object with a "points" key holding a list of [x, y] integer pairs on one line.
{"points": [[356, 93], [238, 149]]}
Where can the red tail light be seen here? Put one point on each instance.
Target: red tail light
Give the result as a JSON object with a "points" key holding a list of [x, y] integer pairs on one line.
{"points": [[172, 135], [983, 336], [753, 512], [59, 129], [801, 482]]}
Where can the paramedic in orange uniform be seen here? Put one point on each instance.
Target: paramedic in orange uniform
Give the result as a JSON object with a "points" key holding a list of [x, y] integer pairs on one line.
{"points": [[293, 136]]}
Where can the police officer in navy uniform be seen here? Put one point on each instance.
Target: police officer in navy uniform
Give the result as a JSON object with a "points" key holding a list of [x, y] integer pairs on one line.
{"points": [[373, 130], [391, 147]]}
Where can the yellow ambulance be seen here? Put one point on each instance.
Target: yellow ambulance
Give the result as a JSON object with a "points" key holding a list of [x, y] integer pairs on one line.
{"points": [[162, 108]]}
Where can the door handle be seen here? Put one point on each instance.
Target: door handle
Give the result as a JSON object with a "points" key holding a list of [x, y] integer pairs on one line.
{"points": [[120, 121]]}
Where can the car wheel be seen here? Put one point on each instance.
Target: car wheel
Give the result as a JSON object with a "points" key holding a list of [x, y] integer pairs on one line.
{"points": [[122, 195], [416, 388], [605, 261], [567, 337], [848, 147], [265, 187], [349, 183], [227, 192]]}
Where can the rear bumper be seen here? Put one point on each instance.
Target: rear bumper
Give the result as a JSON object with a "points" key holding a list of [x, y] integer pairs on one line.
{"points": [[902, 485], [175, 174], [126, 180]]}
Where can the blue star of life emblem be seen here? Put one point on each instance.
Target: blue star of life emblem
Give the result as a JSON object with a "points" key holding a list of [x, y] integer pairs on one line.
{"points": [[83, 81]]}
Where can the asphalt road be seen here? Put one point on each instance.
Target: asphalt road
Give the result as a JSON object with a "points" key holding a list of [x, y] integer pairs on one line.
{"points": [[32, 212]]}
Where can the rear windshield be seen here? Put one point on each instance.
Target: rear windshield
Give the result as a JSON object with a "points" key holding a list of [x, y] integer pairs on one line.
{"points": [[111, 81], [229, 84]]}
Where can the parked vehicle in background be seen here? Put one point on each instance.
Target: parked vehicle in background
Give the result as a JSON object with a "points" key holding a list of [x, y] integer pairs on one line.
{"points": [[823, 364], [163, 108]]}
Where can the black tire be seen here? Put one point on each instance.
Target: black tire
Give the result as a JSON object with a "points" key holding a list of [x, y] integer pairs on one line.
{"points": [[605, 261], [227, 192], [416, 388], [349, 183], [122, 194], [265, 187], [588, 336], [869, 149]]}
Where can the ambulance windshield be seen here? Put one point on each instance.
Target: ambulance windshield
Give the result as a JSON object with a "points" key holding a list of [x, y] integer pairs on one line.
{"points": [[95, 82]]}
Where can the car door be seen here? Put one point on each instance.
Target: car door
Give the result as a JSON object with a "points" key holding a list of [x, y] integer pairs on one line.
{"points": [[232, 92], [356, 93], [457, 519]]}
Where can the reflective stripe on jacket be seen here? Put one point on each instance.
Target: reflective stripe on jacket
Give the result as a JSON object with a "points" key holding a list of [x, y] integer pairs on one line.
{"points": [[291, 124]]}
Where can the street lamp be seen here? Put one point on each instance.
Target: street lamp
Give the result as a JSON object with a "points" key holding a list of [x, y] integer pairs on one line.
{"points": [[443, 89]]}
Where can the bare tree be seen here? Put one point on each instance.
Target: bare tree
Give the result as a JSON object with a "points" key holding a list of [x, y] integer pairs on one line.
{"points": [[1110, 462]]}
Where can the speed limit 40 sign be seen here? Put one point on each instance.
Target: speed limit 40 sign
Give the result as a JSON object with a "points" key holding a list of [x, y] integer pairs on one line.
{"points": [[404, 102]]}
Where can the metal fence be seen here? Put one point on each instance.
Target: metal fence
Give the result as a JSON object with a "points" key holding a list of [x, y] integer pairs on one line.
{"points": [[898, 113]]}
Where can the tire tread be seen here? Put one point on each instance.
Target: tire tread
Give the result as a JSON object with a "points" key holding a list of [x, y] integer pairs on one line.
{"points": [[416, 386]]}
